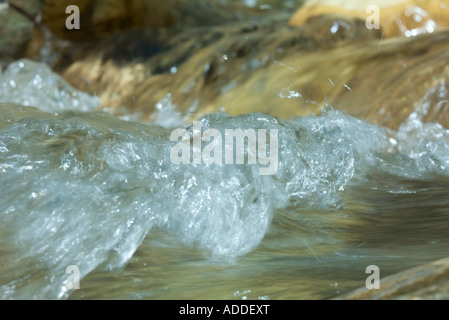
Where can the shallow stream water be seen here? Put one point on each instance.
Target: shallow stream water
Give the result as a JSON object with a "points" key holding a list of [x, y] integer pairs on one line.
{"points": [[81, 187]]}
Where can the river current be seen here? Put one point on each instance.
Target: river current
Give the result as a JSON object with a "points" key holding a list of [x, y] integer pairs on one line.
{"points": [[81, 187]]}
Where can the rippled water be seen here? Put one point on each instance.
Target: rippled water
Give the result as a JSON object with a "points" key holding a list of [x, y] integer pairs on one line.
{"points": [[85, 188]]}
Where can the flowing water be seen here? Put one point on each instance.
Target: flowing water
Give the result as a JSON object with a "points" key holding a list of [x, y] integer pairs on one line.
{"points": [[91, 190], [82, 187]]}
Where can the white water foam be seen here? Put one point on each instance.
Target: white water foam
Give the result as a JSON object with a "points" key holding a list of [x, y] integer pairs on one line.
{"points": [[85, 188]]}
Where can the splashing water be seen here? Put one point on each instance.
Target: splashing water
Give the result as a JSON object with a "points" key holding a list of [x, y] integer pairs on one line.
{"points": [[34, 84], [86, 188]]}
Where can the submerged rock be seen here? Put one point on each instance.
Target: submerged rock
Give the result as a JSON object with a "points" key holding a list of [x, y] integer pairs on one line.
{"points": [[425, 282], [275, 69]]}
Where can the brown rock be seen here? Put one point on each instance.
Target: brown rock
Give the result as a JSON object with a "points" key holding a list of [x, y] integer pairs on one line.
{"points": [[397, 17], [242, 67], [279, 72], [426, 282]]}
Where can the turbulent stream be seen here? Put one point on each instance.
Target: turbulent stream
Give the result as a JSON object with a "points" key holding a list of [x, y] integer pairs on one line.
{"points": [[81, 187]]}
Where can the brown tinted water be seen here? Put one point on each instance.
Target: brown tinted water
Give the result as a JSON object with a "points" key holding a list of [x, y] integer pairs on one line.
{"points": [[305, 254]]}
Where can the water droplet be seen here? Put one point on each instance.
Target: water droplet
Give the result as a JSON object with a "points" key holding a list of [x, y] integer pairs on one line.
{"points": [[334, 28]]}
